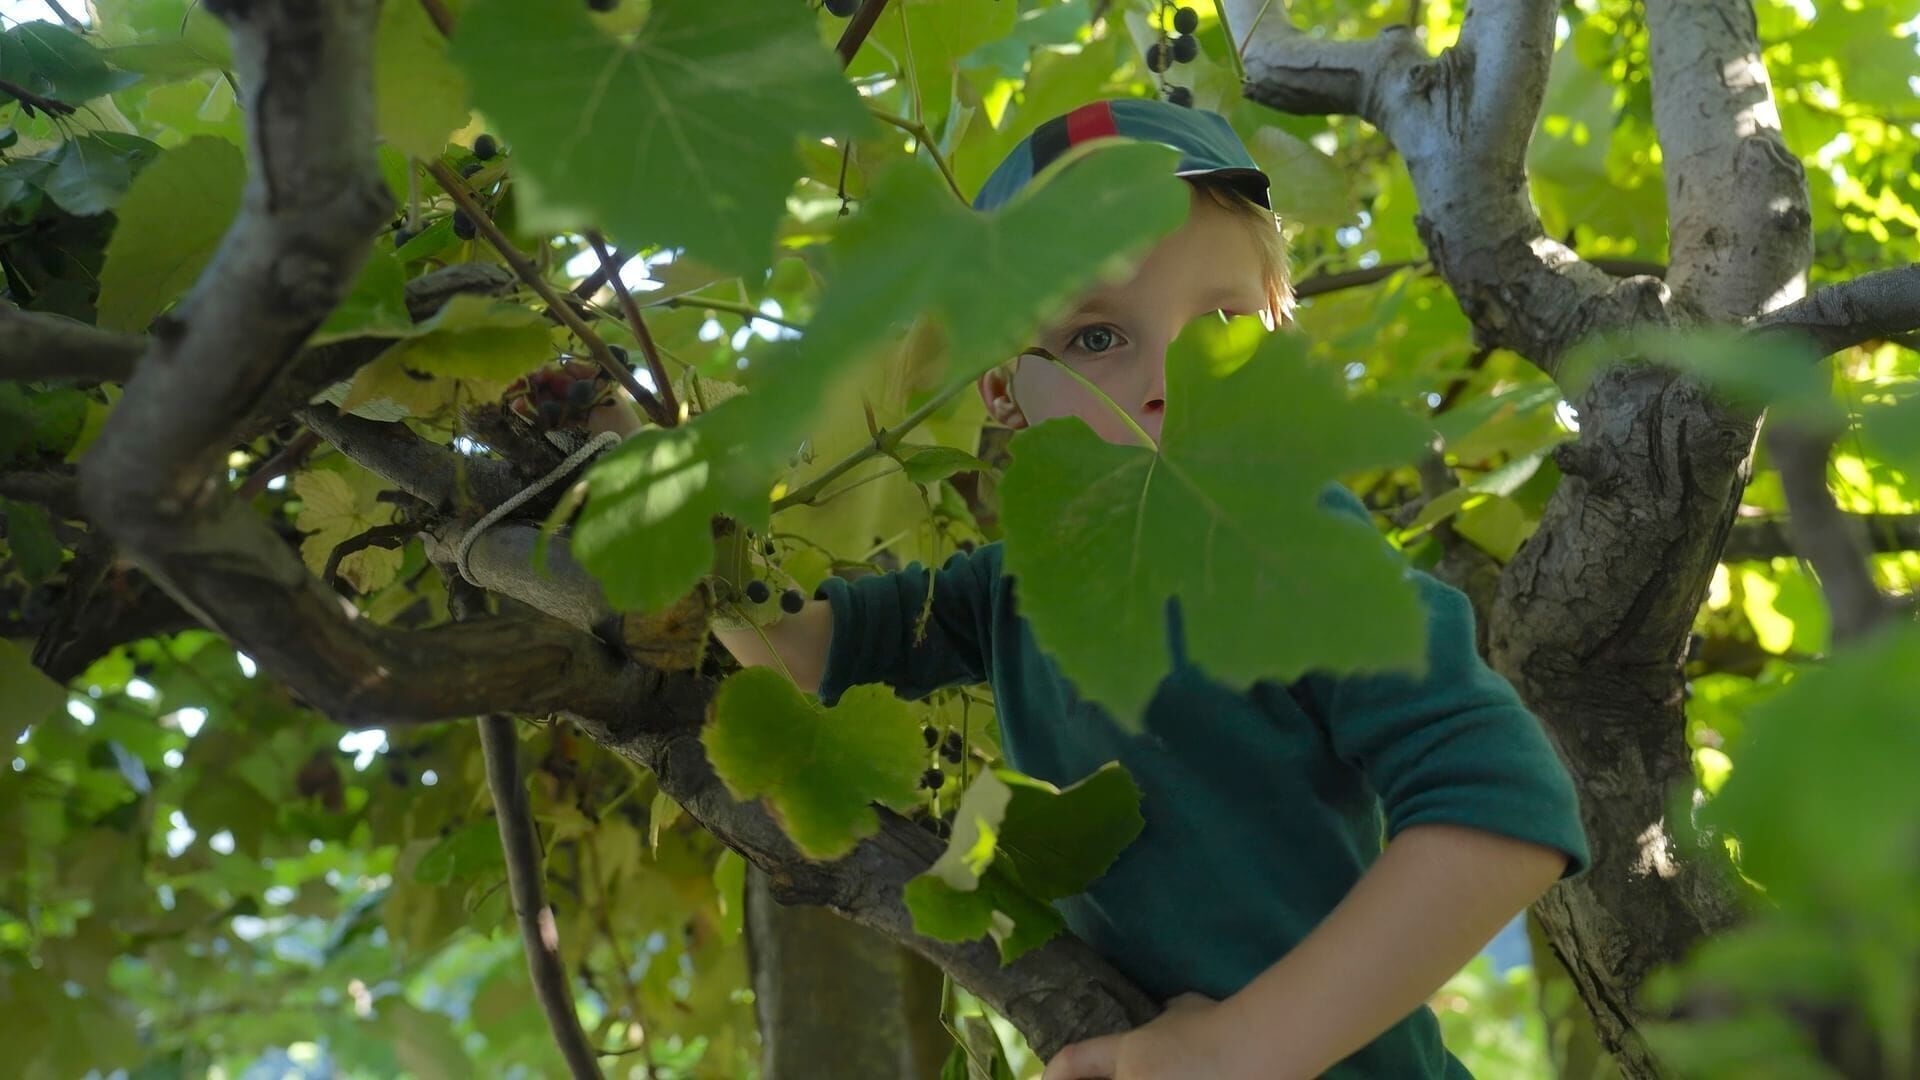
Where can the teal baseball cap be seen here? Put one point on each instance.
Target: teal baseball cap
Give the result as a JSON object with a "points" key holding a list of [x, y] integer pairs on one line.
{"points": [[1208, 145]]}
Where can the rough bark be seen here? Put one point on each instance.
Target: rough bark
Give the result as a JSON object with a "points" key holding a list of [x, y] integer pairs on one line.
{"points": [[835, 997]]}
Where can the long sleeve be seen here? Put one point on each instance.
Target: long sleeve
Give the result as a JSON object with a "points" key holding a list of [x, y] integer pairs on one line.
{"points": [[873, 623], [1455, 745]]}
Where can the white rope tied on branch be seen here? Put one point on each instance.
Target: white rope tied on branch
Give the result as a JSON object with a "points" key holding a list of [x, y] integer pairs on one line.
{"points": [[574, 460]]}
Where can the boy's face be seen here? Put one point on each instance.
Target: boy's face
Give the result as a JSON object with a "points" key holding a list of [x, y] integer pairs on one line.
{"points": [[1117, 335]]}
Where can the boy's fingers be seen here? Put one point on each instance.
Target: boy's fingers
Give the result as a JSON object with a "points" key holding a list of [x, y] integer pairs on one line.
{"points": [[1090, 1059]]}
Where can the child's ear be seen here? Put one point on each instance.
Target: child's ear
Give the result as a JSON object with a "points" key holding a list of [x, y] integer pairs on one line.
{"points": [[996, 392]]}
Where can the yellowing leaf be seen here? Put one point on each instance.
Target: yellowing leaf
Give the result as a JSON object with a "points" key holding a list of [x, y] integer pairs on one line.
{"points": [[336, 507]]}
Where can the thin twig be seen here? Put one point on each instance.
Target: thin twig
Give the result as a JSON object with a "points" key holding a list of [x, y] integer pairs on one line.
{"points": [[601, 273], [857, 29], [500, 745], [381, 536], [34, 101], [885, 441], [287, 460], [442, 18], [456, 188], [919, 132], [705, 304], [662, 385], [73, 24]]}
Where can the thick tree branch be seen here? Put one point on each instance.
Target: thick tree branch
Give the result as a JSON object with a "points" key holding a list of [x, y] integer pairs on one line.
{"points": [[1761, 539], [1462, 121], [539, 935], [56, 489], [34, 345], [1736, 196], [1834, 542], [1885, 304]]}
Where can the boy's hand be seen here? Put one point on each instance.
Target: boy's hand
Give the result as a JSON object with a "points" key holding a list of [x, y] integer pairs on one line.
{"points": [[1182, 1043]]}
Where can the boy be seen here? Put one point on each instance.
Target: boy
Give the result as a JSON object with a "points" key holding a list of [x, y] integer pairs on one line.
{"points": [[1257, 899]]}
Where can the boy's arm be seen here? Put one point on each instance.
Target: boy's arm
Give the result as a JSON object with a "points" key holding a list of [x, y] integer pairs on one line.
{"points": [[796, 645]]}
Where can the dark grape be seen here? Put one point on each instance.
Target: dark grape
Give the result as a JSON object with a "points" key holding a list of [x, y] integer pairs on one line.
{"points": [[791, 601], [1185, 48], [952, 755], [942, 828], [400, 238], [967, 546], [619, 354], [462, 225], [552, 413], [955, 744], [932, 777], [485, 147], [602, 5], [1159, 57], [1186, 20], [581, 392], [470, 168], [758, 592], [843, 8], [1181, 96], [769, 549], [931, 735], [820, 593]]}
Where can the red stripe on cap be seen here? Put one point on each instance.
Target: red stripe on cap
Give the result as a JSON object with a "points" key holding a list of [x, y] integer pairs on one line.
{"points": [[1090, 121]]}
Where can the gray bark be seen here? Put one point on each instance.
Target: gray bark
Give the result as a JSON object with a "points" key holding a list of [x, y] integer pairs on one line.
{"points": [[835, 998]]}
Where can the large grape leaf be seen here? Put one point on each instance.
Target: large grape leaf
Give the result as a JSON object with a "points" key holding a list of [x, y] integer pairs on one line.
{"points": [[1018, 842], [1224, 517], [683, 135], [170, 222], [334, 508], [421, 97], [645, 531], [817, 767]]}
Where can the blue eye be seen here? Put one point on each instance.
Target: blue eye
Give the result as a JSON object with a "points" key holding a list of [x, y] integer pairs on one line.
{"points": [[1096, 339]]}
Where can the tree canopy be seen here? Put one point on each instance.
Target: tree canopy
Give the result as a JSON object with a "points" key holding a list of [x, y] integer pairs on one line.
{"points": [[1608, 312]]}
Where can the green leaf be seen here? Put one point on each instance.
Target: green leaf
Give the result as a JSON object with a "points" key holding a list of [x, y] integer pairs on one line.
{"points": [[932, 464], [62, 65], [376, 305], [817, 767], [421, 96], [474, 337], [30, 535], [1315, 189], [1019, 841], [645, 532], [937, 33], [424, 1041], [1225, 518], [729, 883], [462, 855], [169, 224], [704, 104], [91, 173], [1012, 917], [30, 695]]}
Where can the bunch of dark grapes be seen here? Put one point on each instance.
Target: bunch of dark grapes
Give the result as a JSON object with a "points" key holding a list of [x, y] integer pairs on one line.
{"points": [[1180, 49]]}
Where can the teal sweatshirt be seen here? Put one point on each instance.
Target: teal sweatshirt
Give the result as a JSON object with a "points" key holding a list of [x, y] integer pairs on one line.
{"points": [[1263, 805]]}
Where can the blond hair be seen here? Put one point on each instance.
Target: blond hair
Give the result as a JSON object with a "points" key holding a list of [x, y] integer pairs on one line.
{"points": [[1275, 273]]}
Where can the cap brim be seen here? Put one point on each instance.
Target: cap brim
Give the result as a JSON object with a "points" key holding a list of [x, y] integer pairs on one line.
{"points": [[1252, 182]]}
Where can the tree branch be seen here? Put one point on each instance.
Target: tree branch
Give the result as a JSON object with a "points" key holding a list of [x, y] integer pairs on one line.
{"points": [[857, 29], [1461, 121], [1761, 539], [1834, 542], [1736, 196], [1884, 304], [500, 745], [34, 345], [56, 489]]}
